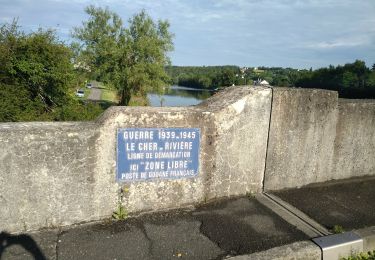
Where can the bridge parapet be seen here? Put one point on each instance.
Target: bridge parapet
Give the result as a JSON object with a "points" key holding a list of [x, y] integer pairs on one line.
{"points": [[251, 138]]}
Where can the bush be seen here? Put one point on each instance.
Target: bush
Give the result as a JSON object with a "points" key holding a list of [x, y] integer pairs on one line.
{"points": [[78, 111]]}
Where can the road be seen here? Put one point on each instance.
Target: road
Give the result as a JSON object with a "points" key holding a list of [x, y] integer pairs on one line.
{"points": [[95, 92]]}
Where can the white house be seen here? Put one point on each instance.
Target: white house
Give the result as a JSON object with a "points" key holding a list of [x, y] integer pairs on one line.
{"points": [[264, 82]]}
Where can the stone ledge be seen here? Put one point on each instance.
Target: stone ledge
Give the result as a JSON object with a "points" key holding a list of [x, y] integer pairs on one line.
{"points": [[304, 250], [368, 236]]}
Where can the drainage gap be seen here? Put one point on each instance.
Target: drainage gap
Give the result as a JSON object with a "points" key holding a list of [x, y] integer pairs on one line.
{"points": [[268, 140], [292, 215]]}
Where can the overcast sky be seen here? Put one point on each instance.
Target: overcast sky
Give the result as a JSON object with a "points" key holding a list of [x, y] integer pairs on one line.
{"points": [[286, 33]]}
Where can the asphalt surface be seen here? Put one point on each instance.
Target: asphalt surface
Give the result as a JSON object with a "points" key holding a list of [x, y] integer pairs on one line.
{"points": [[349, 203], [214, 231], [95, 92]]}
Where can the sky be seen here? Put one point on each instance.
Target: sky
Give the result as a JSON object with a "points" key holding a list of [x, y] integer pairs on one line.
{"points": [[273, 33]]}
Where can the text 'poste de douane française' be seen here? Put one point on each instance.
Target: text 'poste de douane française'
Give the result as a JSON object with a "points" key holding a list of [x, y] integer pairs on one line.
{"points": [[157, 153]]}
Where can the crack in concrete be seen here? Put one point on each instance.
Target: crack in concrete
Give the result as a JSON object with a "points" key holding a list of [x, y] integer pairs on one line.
{"points": [[150, 241], [268, 142], [225, 254], [58, 235]]}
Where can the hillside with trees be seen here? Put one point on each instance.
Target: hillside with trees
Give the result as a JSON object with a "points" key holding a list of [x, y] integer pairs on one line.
{"points": [[352, 80], [206, 77]]}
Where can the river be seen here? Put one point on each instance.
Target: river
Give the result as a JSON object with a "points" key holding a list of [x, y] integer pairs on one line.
{"points": [[178, 96]]}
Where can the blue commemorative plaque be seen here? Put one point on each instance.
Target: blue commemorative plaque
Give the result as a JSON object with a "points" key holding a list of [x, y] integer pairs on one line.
{"points": [[157, 153]]}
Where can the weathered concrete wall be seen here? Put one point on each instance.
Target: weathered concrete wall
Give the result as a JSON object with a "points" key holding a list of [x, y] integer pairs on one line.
{"points": [[301, 138], [315, 137], [225, 165], [241, 125], [54, 174], [47, 175], [152, 195], [354, 145]]}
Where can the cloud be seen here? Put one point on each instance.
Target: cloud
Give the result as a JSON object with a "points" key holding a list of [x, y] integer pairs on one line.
{"points": [[360, 40], [295, 33]]}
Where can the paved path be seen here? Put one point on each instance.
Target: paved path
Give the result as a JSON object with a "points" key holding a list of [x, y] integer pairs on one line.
{"points": [[95, 92], [347, 203], [215, 231]]}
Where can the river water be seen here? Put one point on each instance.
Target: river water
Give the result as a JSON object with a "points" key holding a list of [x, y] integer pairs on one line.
{"points": [[178, 96]]}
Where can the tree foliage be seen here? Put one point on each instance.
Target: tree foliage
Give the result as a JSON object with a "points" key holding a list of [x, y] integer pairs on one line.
{"points": [[352, 80], [37, 77], [351, 75], [132, 58], [205, 77], [37, 61]]}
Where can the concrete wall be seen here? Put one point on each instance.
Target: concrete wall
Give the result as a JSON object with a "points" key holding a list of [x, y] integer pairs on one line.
{"points": [[354, 145], [301, 138], [240, 140], [54, 174], [47, 174], [315, 137], [252, 138]]}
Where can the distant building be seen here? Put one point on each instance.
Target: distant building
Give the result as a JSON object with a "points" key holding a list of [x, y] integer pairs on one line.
{"points": [[261, 82], [264, 82], [243, 70]]}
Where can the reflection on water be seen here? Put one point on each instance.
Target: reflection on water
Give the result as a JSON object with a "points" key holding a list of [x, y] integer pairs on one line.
{"points": [[178, 96]]}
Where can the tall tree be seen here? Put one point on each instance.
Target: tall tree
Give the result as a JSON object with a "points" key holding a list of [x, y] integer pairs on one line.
{"points": [[132, 59], [349, 79], [99, 37], [37, 66], [371, 79]]}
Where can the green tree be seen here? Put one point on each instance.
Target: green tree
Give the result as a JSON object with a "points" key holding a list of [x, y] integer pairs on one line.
{"points": [[349, 79], [227, 77], [98, 49], [35, 73], [37, 78], [281, 81], [17, 105], [371, 80], [37, 61], [360, 69], [131, 59]]}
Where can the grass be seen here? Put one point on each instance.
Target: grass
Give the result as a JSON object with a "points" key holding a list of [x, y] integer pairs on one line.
{"points": [[87, 93], [109, 95], [362, 256], [337, 229]]}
